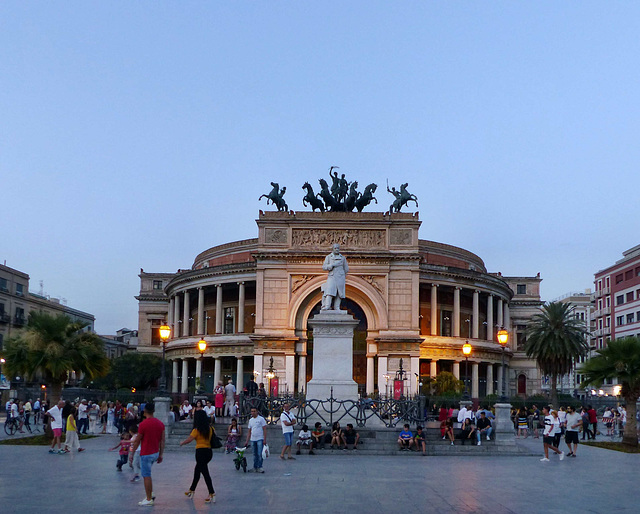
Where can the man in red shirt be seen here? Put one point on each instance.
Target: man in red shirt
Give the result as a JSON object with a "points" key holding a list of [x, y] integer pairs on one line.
{"points": [[151, 442], [593, 419]]}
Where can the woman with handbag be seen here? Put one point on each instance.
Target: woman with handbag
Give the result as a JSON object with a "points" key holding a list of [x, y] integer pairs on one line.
{"points": [[203, 433]]}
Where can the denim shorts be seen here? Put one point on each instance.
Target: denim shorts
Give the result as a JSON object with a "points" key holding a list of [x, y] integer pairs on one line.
{"points": [[288, 438], [146, 461]]}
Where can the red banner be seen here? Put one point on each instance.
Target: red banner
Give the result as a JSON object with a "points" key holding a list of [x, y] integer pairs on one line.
{"points": [[274, 387], [398, 389]]}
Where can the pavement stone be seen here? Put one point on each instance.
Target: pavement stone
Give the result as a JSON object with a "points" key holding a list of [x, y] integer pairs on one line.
{"points": [[33, 481]]}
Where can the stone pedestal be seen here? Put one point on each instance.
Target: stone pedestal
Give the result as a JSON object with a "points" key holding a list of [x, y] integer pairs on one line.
{"points": [[502, 425], [163, 407], [332, 356]]}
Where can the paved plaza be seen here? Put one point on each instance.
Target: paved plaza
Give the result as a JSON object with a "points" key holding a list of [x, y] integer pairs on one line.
{"points": [[33, 481]]}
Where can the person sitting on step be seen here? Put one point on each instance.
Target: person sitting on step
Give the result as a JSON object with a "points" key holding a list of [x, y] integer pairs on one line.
{"points": [[405, 439], [467, 430], [350, 436], [419, 440], [305, 439]]}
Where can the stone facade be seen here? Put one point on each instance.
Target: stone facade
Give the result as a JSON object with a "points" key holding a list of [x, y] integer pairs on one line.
{"points": [[415, 300]]}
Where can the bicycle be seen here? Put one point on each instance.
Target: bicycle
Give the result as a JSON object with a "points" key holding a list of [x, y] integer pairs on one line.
{"points": [[11, 426]]}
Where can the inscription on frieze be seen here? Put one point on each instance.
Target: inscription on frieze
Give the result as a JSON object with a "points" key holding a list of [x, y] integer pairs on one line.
{"points": [[275, 236], [323, 238], [400, 236]]}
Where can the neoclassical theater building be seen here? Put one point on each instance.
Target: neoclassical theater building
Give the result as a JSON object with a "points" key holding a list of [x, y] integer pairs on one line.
{"points": [[415, 300]]}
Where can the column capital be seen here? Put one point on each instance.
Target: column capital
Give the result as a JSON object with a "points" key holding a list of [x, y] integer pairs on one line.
{"points": [[477, 291], [459, 288], [218, 285], [435, 285], [240, 283]]}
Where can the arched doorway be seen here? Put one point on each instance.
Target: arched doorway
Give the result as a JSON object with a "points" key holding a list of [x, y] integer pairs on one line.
{"points": [[522, 385], [359, 343]]}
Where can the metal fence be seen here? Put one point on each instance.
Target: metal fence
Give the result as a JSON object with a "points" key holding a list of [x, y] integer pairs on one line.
{"points": [[388, 412]]}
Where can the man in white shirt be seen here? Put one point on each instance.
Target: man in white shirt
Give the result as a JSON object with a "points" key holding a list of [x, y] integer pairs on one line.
{"points": [[574, 422], [83, 419], [257, 434], [288, 420], [465, 413], [55, 416], [550, 424], [7, 408], [210, 410], [230, 398]]}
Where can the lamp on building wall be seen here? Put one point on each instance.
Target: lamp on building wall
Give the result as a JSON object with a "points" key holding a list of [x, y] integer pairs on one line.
{"points": [[202, 346], [165, 334], [503, 339], [466, 349]]}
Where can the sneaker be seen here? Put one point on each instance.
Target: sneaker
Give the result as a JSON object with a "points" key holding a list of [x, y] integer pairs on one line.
{"points": [[561, 456], [259, 470], [355, 449], [479, 443], [451, 443], [298, 452], [135, 479], [570, 454], [146, 503], [61, 452], [444, 438], [544, 460], [488, 438], [252, 470], [344, 449], [81, 449], [311, 452], [51, 450]]}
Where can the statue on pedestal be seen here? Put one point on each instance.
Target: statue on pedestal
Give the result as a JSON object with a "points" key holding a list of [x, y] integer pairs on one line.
{"points": [[333, 290]]}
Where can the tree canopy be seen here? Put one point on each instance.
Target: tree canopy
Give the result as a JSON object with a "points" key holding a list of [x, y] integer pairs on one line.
{"points": [[53, 346], [555, 338], [133, 369], [620, 360]]}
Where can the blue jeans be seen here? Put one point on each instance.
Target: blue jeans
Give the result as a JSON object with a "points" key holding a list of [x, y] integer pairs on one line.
{"points": [[256, 448], [487, 431]]}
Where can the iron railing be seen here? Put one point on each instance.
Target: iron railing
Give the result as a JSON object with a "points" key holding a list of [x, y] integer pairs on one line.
{"points": [[389, 412]]}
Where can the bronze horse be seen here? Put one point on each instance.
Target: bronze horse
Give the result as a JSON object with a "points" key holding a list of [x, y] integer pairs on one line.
{"points": [[312, 199]]}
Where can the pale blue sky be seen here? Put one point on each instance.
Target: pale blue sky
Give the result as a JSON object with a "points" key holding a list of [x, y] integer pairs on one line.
{"points": [[125, 126]]}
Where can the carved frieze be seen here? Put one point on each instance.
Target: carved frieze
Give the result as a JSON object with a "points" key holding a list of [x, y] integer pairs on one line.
{"points": [[346, 238], [376, 281], [297, 281], [275, 236], [400, 236], [332, 330]]}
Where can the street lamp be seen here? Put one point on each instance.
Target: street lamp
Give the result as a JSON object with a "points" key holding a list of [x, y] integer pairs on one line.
{"points": [[202, 346], [503, 339], [165, 333], [466, 349], [270, 374], [386, 385]]}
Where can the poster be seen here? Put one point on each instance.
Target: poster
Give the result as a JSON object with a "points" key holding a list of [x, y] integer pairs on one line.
{"points": [[274, 387], [398, 389]]}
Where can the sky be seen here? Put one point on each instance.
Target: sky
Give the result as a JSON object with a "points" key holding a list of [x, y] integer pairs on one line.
{"points": [[138, 134]]}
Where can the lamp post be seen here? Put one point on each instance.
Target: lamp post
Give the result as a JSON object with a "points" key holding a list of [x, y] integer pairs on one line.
{"points": [[503, 339], [270, 374], [386, 385], [466, 349], [165, 333]]}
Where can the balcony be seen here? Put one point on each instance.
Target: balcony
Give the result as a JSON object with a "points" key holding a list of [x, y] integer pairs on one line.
{"points": [[606, 331], [4, 318], [19, 321]]}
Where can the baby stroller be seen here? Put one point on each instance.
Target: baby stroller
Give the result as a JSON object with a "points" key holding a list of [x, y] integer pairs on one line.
{"points": [[240, 459]]}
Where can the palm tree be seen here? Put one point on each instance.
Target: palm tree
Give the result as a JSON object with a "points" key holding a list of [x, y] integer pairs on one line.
{"points": [[619, 359], [555, 337], [53, 346]]}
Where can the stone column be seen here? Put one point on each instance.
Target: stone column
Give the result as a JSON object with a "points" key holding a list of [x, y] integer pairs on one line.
{"points": [[201, 320], [456, 312], [240, 375], [290, 373], [217, 364], [475, 385], [382, 371], [476, 316], [434, 310], [240, 307], [507, 320], [456, 369], [199, 360], [489, 379], [370, 377], [257, 366], [174, 376], [503, 427], [186, 314], [185, 376], [175, 329], [302, 373], [218, 308], [500, 319], [490, 318], [500, 373], [433, 368], [170, 312], [415, 368]]}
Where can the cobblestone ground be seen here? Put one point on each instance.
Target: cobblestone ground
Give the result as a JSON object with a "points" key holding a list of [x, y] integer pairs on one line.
{"points": [[33, 481]]}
